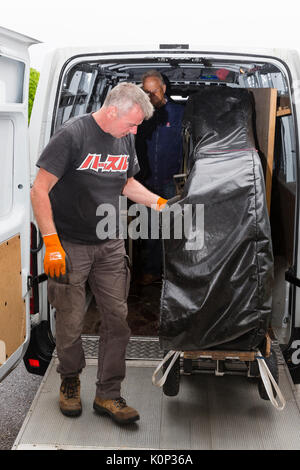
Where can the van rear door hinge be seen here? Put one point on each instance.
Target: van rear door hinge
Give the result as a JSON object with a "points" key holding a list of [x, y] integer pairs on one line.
{"points": [[291, 278]]}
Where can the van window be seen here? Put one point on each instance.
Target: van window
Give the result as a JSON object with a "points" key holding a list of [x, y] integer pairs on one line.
{"points": [[11, 80]]}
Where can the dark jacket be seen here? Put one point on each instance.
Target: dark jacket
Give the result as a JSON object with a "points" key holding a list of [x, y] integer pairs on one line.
{"points": [[159, 145]]}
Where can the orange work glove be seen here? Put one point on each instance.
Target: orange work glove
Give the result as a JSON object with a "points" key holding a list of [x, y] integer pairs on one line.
{"points": [[161, 202], [55, 256]]}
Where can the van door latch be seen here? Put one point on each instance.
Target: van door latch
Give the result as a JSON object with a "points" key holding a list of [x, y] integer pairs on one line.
{"points": [[32, 281], [291, 278]]}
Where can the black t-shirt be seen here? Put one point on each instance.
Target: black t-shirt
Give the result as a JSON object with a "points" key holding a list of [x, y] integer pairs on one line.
{"points": [[92, 167]]}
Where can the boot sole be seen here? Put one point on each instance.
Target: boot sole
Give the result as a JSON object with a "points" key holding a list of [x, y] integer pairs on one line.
{"points": [[103, 411], [71, 413]]}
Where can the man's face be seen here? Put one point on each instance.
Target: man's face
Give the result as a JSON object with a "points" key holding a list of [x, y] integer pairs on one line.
{"points": [[156, 91], [126, 123]]}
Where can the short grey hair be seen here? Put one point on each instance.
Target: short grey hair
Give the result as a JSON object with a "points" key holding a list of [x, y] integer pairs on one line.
{"points": [[153, 73], [125, 95]]}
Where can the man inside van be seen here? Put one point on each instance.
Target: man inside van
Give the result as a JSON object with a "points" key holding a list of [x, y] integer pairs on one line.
{"points": [[88, 162], [159, 151]]}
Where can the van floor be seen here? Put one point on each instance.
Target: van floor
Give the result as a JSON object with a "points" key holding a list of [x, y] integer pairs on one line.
{"points": [[210, 412]]}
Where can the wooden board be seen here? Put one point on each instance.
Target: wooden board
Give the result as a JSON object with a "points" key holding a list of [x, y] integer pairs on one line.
{"points": [[283, 112], [221, 355], [12, 305], [266, 110]]}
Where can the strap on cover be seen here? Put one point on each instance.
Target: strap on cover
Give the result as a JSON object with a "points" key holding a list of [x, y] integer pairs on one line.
{"points": [[160, 382], [268, 381]]}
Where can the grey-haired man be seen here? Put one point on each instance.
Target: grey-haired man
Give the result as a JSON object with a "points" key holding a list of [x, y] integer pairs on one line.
{"points": [[91, 161]]}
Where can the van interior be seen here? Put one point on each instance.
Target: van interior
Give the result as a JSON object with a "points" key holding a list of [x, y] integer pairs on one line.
{"points": [[83, 89]]}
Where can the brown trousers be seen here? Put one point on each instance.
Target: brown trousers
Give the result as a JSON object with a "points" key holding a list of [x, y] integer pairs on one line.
{"points": [[105, 267]]}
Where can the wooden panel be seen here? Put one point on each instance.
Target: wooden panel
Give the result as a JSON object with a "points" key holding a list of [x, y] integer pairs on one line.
{"points": [[265, 110], [221, 355], [283, 106], [283, 112], [12, 305]]}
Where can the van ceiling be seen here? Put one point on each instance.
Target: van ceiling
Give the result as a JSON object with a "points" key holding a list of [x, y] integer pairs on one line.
{"points": [[86, 84], [174, 69], [179, 73]]}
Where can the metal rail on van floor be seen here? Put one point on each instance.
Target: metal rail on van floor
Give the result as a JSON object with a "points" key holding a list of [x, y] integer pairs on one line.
{"points": [[209, 412]]}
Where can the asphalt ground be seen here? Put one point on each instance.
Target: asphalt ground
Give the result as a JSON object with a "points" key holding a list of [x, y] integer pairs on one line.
{"points": [[17, 392]]}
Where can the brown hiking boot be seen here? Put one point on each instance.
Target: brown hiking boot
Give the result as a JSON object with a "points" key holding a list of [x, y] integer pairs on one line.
{"points": [[69, 400], [117, 409]]}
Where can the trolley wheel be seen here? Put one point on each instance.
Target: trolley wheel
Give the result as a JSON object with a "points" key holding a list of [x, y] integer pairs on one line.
{"points": [[172, 383], [272, 364], [188, 366]]}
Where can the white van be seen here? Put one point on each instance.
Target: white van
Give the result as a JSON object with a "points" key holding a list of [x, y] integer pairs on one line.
{"points": [[76, 81]]}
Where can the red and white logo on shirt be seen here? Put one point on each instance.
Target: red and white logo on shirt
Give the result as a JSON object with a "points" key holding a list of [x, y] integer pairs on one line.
{"points": [[111, 163]]}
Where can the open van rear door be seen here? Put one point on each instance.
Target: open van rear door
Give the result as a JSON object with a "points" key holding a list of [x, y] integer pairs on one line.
{"points": [[14, 199]]}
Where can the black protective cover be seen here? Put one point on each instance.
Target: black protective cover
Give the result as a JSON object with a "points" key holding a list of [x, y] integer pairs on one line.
{"points": [[218, 296]]}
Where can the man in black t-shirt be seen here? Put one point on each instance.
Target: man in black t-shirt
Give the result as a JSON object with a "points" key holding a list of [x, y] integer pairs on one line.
{"points": [[89, 162]]}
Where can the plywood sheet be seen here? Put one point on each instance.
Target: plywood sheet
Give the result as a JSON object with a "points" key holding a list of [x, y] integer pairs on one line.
{"points": [[12, 305]]}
